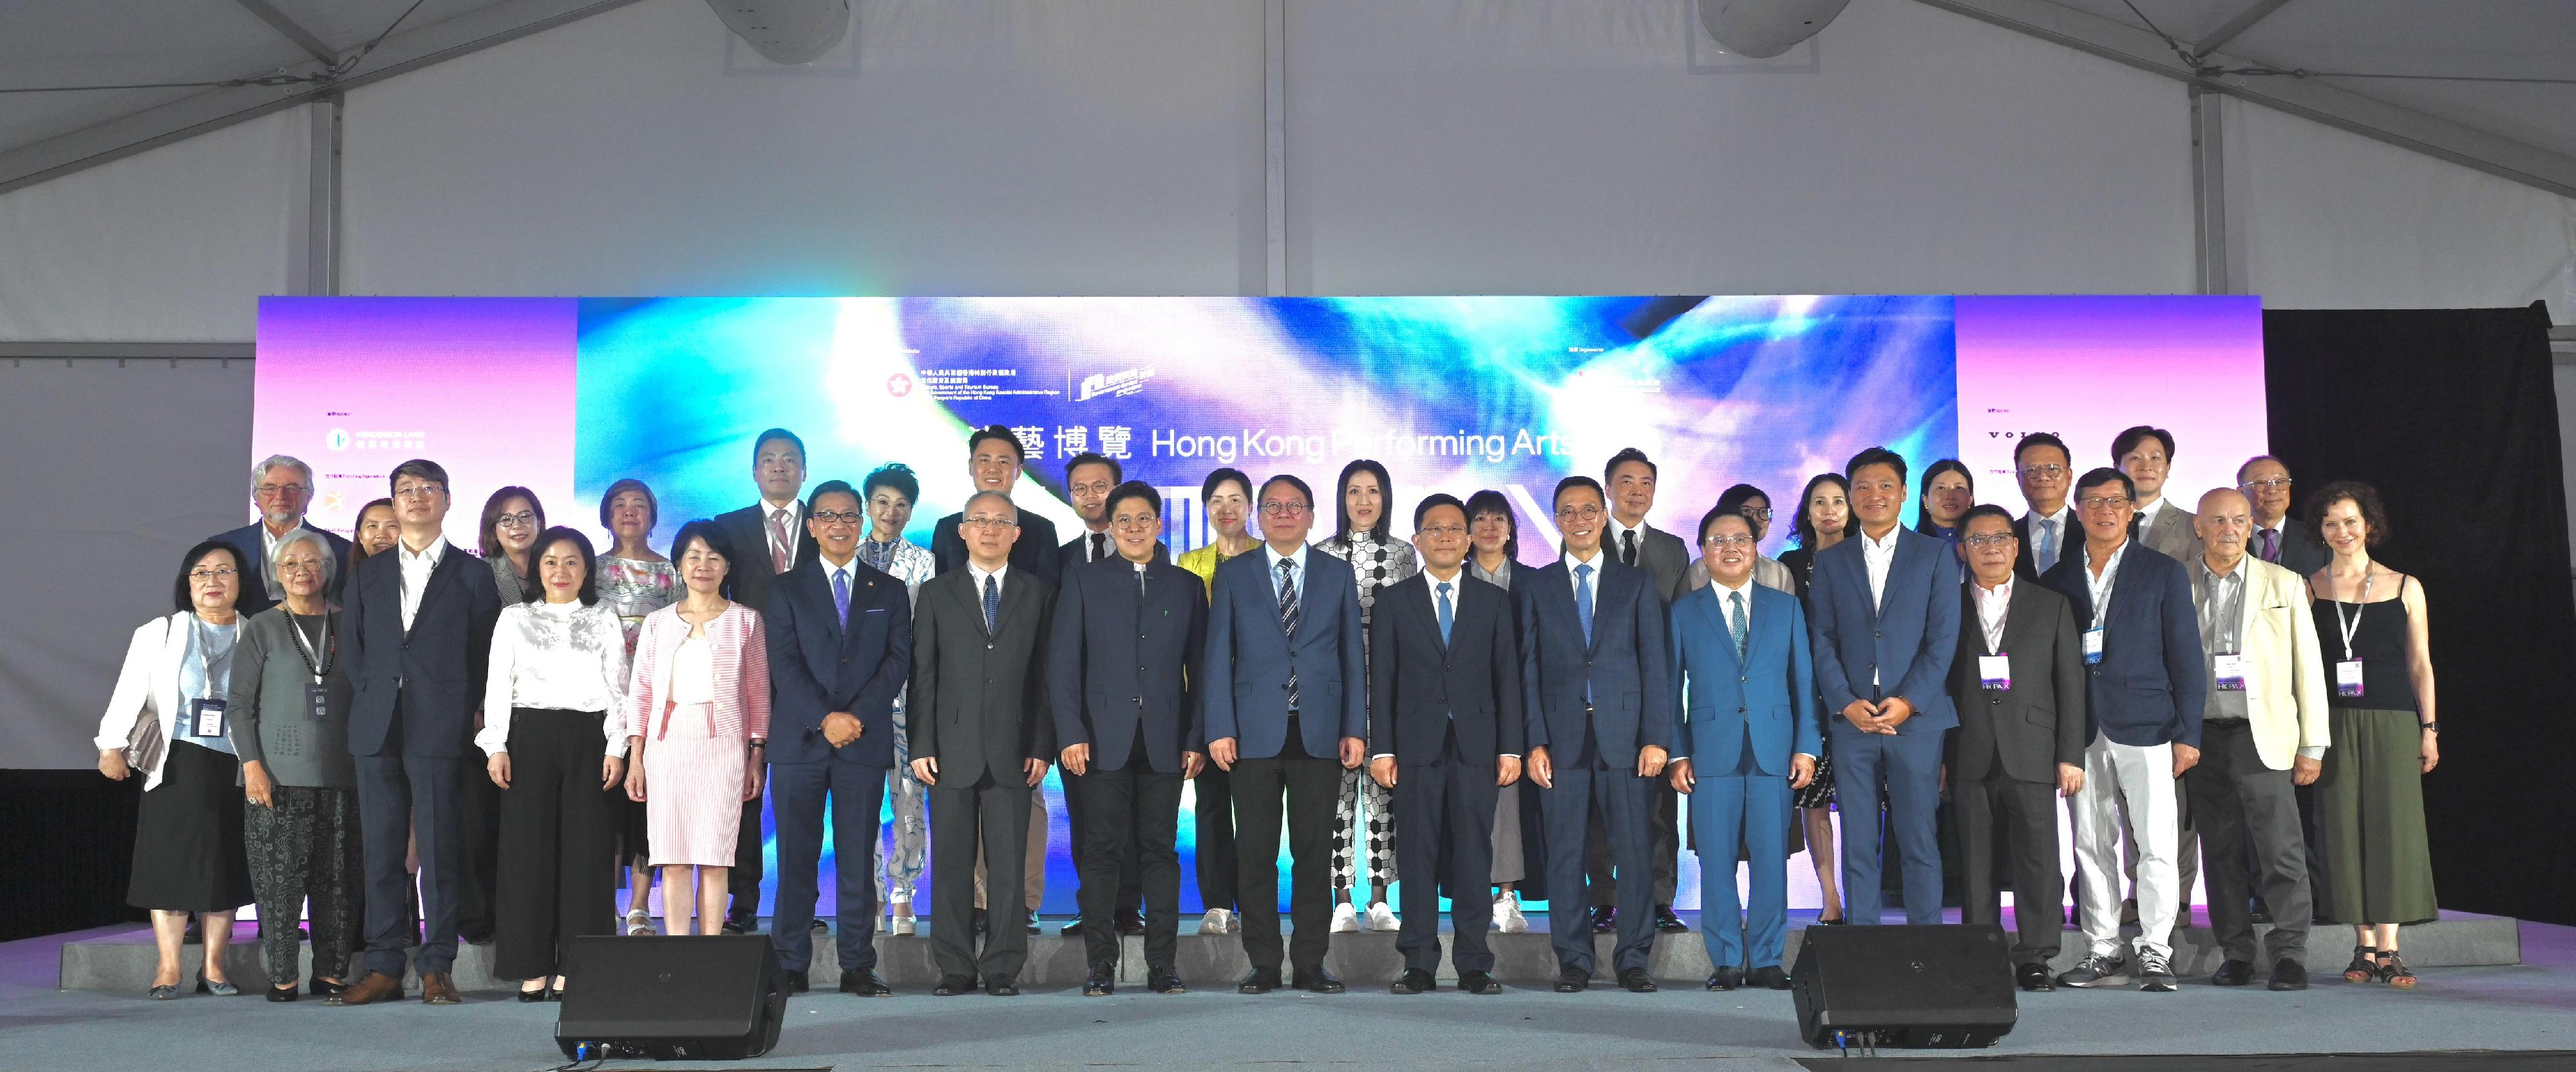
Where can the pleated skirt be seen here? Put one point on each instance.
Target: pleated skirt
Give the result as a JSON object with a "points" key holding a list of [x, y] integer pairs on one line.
{"points": [[2370, 813]]}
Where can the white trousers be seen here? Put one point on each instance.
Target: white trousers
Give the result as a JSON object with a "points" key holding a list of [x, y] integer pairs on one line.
{"points": [[2141, 780]]}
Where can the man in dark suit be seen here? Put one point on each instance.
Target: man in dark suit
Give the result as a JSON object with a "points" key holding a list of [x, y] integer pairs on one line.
{"points": [[281, 486], [1884, 614], [840, 646], [1448, 734], [2145, 693], [1629, 481], [416, 629], [2279, 538], [994, 460], [2044, 468], [1286, 704], [1124, 698], [981, 736], [1595, 691], [774, 536], [1088, 480], [2018, 683]]}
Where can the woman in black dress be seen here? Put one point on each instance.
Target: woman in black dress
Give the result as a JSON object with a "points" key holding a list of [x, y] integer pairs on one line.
{"points": [[1823, 518]]}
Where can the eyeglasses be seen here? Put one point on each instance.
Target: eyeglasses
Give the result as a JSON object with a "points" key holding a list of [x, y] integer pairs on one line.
{"points": [[1579, 513], [1723, 542], [2103, 502], [990, 523], [2273, 483], [1095, 487], [1757, 513], [835, 517], [420, 491], [1283, 509], [2043, 472], [273, 490], [210, 576], [522, 519], [1135, 521], [1989, 539], [294, 564], [1444, 530]]}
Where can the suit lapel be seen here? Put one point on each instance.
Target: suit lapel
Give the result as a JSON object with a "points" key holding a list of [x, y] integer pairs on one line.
{"points": [[441, 577], [2018, 616], [821, 593]]}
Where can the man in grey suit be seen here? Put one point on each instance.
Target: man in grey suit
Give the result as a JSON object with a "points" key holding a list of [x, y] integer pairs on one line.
{"points": [[2279, 538], [981, 736], [2145, 454], [1630, 481], [2018, 682]]}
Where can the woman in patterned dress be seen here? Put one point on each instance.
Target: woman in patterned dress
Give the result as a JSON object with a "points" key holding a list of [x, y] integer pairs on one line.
{"points": [[891, 490], [1361, 539], [1824, 518], [634, 581]]}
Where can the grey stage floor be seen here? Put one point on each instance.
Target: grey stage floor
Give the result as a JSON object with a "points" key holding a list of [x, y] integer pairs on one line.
{"points": [[2521, 1007]]}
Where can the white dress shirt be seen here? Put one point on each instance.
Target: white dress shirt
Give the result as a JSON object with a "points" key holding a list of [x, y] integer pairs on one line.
{"points": [[1726, 606], [2100, 584], [1575, 584], [416, 569], [558, 656], [1878, 555], [1001, 581], [2036, 522], [1991, 604], [769, 533], [1612, 537], [1298, 557]]}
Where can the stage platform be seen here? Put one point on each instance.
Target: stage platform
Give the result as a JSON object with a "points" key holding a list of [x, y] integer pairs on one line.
{"points": [[123, 962]]}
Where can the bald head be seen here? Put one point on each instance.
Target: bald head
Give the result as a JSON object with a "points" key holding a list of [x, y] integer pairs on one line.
{"points": [[2225, 523]]}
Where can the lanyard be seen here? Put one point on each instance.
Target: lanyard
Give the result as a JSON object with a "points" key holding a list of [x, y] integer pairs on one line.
{"points": [[2101, 586], [2223, 619], [205, 657], [320, 665], [2354, 626]]}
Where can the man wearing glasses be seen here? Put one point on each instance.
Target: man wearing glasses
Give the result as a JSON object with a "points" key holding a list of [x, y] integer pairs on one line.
{"points": [[2043, 466], [2146, 690], [281, 486], [416, 630], [1088, 480], [2279, 539], [840, 646], [1286, 701]]}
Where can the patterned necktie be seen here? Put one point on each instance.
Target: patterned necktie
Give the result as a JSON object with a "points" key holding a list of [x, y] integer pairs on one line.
{"points": [[1736, 624], [1288, 617], [779, 547], [1445, 614], [992, 604], [2270, 548], [841, 594], [1099, 546], [1583, 599], [1628, 548]]}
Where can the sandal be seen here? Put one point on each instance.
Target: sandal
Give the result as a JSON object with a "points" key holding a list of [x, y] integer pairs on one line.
{"points": [[2361, 970], [2392, 971], [638, 923]]}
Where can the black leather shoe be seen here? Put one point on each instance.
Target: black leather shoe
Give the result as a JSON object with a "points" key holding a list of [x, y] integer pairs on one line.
{"points": [[1604, 919], [1261, 981], [1634, 981], [1131, 923], [1667, 922], [1414, 981], [866, 984], [952, 985], [532, 997], [319, 987], [1164, 981], [2233, 973], [1726, 978], [1030, 920], [1102, 982], [1475, 982], [2288, 974], [1002, 986], [795, 982], [2034, 978], [1572, 980], [1768, 977], [737, 925], [1317, 981], [291, 992], [820, 927], [1072, 928]]}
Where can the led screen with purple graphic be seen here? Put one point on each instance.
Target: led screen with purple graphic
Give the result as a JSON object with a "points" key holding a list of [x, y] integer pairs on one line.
{"points": [[1452, 394]]}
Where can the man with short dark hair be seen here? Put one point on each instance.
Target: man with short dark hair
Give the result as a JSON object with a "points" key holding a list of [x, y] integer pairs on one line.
{"points": [[281, 486], [775, 536], [2042, 466], [1088, 480], [2145, 454], [1629, 483]]}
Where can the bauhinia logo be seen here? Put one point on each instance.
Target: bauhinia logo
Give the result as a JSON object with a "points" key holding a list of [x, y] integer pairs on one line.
{"points": [[1121, 382]]}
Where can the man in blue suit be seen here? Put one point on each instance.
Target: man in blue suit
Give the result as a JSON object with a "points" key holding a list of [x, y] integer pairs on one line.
{"points": [[1598, 698], [840, 648], [1286, 700], [1885, 623], [281, 486], [2146, 687], [1748, 689]]}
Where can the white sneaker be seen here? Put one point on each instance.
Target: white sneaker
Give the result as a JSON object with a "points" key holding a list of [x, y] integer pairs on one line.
{"points": [[900, 925], [1507, 915], [1346, 919], [1217, 921], [1381, 917]]}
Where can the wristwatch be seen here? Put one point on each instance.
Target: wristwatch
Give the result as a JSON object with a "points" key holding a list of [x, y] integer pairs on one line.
{"points": [[2434, 727]]}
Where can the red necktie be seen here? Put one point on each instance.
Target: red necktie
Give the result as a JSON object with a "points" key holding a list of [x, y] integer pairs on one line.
{"points": [[780, 557]]}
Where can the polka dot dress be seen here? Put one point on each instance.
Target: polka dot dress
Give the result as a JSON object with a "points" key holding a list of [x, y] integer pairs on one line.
{"points": [[1378, 562]]}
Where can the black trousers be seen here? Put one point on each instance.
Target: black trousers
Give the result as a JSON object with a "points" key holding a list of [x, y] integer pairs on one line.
{"points": [[558, 877], [1312, 788], [1131, 882], [304, 847], [743, 881], [2236, 799], [1663, 841], [1214, 811], [960, 812], [1129, 824], [478, 849], [2023, 817], [1446, 810]]}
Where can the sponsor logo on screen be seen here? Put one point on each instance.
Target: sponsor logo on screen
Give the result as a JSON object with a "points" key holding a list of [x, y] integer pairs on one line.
{"points": [[1121, 382]]}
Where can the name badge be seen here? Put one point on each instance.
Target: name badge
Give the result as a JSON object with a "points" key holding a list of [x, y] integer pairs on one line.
{"points": [[207, 716], [2093, 645], [1995, 672], [317, 703], [2231, 672], [2348, 678]]}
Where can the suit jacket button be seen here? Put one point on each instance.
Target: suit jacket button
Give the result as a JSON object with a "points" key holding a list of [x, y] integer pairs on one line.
{"points": [[1739, 710], [2097, 673], [1880, 635], [1741, 680]]}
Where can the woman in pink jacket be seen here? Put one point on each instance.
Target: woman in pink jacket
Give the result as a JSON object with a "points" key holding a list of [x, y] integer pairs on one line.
{"points": [[699, 696]]}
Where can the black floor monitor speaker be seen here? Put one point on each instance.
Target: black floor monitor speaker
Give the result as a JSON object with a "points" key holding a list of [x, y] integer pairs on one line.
{"points": [[686, 998], [1903, 987]]}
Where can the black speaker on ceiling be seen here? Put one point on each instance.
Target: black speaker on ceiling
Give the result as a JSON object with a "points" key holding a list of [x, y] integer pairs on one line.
{"points": [[670, 998], [1903, 987]]}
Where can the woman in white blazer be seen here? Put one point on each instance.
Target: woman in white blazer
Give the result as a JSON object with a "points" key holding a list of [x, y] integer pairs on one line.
{"points": [[188, 849]]}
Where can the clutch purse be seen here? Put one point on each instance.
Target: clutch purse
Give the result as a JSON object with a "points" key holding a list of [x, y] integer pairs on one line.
{"points": [[145, 744]]}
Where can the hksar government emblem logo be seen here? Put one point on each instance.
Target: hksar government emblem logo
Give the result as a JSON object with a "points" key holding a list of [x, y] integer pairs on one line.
{"points": [[899, 384]]}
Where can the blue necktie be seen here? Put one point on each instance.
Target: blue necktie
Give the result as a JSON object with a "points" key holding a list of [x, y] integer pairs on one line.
{"points": [[1737, 624], [1583, 600], [1445, 616], [992, 604], [841, 595], [2046, 559]]}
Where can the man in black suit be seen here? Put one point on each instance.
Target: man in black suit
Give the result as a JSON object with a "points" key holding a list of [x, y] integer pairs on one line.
{"points": [[281, 486], [1448, 734], [2018, 683], [772, 533], [1088, 480], [994, 459], [1629, 480], [980, 736], [2046, 472], [2279, 538], [840, 645], [416, 629], [1125, 703], [1286, 702]]}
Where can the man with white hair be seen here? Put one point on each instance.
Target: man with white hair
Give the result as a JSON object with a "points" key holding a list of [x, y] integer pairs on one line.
{"points": [[281, 486]]}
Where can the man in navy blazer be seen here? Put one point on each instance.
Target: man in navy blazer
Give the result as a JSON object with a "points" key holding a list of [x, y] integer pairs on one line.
{"points": [[840, 648], [1598, 699], [281, 486], [1748, 736], [1885, 621], [1125, 702], [416, 629], [1286, 701], [2145, 687], [1448, 734]]}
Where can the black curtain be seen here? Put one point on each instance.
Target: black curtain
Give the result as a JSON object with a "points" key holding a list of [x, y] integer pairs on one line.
{"points": [[2452, 415], [67, 837]]}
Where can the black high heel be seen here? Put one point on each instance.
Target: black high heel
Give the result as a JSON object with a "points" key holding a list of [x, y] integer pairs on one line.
{"points": [[320, 987], [531, 997]]}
